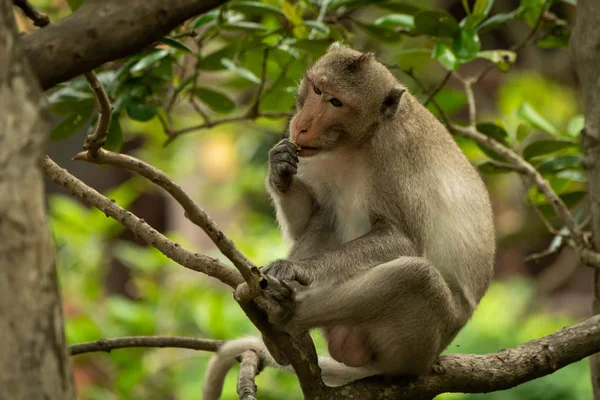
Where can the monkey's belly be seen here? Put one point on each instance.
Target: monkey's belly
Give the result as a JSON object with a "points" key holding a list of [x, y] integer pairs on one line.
{"points": [[349, 345]]}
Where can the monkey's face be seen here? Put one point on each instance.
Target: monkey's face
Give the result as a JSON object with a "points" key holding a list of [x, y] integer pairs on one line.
{"points": [[342, 101], [323, 120]]}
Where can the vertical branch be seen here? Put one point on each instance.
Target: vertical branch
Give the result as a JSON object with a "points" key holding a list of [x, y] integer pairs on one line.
{"points": [[585, 49], [246, 387]]}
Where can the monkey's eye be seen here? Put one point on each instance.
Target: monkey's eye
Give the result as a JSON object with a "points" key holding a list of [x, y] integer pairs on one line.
{"points": [[317, 90], [336, 102]]}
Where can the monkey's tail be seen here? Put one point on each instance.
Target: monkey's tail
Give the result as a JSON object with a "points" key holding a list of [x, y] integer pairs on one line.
{"points": [[333, 373]]}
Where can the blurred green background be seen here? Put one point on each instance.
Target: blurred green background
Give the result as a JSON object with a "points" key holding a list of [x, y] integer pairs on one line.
{"points": [[114, 285]]}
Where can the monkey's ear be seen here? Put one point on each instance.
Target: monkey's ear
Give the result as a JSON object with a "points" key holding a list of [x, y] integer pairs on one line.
{"points": [[391, 102]]}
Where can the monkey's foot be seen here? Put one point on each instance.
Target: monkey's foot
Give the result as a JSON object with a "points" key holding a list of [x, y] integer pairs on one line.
{"points": [[278, 301]]}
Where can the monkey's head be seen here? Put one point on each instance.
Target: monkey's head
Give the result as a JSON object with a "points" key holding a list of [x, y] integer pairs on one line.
{"points": [[342, 100]]}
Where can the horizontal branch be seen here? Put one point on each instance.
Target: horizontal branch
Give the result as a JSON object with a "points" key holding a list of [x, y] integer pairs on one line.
{"points": [[102, 31], [194, 261], [181, 342], [192, 211], [492, 372]]}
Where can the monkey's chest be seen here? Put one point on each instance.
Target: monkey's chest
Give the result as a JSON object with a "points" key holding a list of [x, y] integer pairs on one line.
{"points": [[348, 210]]}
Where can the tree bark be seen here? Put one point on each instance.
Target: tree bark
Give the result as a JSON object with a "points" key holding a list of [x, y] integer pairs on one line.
{"points": [[102, 31], [33, 358], [585, 49]]}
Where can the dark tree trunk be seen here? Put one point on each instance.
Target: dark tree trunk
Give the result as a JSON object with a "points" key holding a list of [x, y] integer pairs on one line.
{"points": [[33, 358], [585, 49]]}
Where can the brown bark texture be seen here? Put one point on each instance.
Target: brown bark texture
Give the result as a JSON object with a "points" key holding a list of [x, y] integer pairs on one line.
{"points": [[585, 49], [33, 358], [102, 31]]}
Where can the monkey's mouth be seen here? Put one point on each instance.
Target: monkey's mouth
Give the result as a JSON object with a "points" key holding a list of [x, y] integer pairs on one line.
{"points": [[307, 151]]}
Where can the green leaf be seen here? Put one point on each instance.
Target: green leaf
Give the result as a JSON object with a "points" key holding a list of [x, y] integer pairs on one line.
{"points": [[483, 7], [576, 124], [543, 147], [501, 58], [396, 7], [557, 37], [175, 44], [490, 168], [466, 45], [216, 101], [213, 61], [80, 115], [241, 71], [496, 21], [69, 94], [381, 33], [114, 136], [470, 22], [243, 25], [496, 132], [531, 9], [396, 20], [523, 131], [560, 163], [204, 19], [312, 46], [529, 114], [436, 23], [75, 4], [254, 8], [147, 61], [321, 27], [140, 111], [445, 56]]}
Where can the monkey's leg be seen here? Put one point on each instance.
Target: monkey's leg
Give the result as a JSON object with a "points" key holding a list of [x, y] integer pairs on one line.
{"points": [[404, 305]]}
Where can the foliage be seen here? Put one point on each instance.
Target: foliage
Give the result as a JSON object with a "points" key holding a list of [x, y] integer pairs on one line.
{"points": [[246, 57]]}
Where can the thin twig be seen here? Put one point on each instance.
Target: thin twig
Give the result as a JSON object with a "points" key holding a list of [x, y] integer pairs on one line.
{"points": [[438, 88], [192, 211], [253, 110], [108, 345], [174, 134], [194, 261], [249, 368], [96, 139], [39, 19]]}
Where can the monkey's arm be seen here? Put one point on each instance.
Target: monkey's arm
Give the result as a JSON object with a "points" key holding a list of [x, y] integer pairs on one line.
{"points": [[293, 208], [294, 202]]}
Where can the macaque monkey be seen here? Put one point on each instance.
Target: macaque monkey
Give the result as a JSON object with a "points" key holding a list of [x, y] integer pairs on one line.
{"points": [[390, 226]]}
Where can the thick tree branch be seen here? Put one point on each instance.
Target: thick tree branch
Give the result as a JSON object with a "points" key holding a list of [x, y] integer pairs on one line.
{"points": [[491, 372], [193, 261], [192, 211], [108, 345], [102, 31]]}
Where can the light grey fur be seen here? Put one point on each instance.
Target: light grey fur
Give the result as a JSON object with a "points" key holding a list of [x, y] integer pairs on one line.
{"points": [[391, 226]]}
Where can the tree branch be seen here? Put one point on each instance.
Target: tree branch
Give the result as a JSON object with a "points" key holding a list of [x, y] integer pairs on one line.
{"points": [[490, 372], [38, 18], [193, 261], [96, 139], [102, 31], [108, 345], [249, 368], [192, 211]]}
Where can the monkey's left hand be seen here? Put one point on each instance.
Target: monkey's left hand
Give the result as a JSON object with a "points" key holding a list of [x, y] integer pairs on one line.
{"points": [[289, 277], [286, 270]]}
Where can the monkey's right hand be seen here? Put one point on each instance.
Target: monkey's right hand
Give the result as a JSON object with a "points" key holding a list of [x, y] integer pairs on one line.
{"points": [[283, 165]]}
